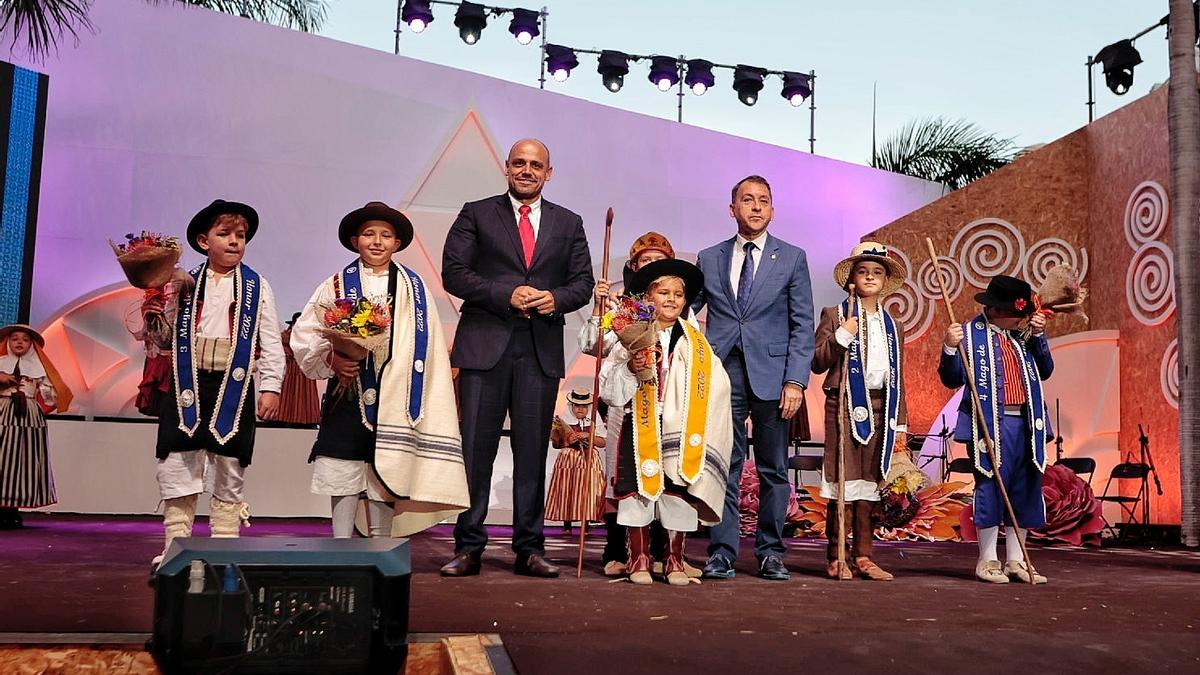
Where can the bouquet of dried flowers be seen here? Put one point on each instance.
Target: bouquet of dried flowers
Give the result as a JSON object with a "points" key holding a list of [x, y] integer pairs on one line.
{"points": [[633, 322]]}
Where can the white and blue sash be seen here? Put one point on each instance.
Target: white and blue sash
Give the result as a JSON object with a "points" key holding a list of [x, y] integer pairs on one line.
{"points": [[369, 373], [982, 350], [858, 404], [247, 291]]}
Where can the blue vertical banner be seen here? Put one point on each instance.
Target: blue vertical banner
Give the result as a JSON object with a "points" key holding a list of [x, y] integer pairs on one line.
{"points": [[22, 131]]}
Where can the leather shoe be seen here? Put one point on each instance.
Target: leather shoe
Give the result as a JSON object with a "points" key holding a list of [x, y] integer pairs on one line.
{"points": [[536, 566], [718, 567], [462, 565], [772, 568]]}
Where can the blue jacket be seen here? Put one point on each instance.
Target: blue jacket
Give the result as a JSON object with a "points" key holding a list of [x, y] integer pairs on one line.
{"points": [[950, 370], [775, 333]]}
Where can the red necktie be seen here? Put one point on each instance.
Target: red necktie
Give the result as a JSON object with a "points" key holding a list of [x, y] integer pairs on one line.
{"points": [[525, 228]]}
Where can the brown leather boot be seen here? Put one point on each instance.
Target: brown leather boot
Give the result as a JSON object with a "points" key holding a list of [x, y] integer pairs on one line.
{"points": [[639, 555], [864, 538], [676, 572]]}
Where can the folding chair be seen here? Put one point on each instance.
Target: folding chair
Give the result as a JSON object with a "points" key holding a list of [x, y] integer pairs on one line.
{"points": [[1080, 465], [799, 463], [1125, 471], [961, 465]]}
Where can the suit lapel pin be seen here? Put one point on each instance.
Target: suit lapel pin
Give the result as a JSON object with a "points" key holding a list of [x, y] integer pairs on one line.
{"points": [[773, 256]]}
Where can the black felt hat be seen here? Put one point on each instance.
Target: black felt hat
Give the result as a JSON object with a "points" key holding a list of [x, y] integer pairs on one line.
{"points": [[693, 278], [375, 211], [202, 221], [1008, 293]]}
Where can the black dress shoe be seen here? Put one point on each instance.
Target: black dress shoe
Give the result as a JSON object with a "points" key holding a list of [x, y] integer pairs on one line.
{"points": [[772, 568], [536, 566], [718, 567], [462, 565]]}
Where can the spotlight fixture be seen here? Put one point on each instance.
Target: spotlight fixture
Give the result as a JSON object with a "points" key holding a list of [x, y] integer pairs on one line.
{"points": [[747, 82], [416, 14], [613, 67], [471, 19], [699, 76], [1118, 59], [560, 61], [664, 72], [524, 25], [796, 87]]}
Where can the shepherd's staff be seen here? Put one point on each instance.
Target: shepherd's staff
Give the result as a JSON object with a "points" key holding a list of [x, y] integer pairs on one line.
{"points": [[978, 408], [599, 354], [843, 395]]}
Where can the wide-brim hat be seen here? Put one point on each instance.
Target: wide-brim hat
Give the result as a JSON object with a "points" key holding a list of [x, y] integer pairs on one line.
{"points": [[1009, 294], [24, 328], [375, 211], [651, 241], [202, 221], [579, 396], [693, 278], [874, 252]]}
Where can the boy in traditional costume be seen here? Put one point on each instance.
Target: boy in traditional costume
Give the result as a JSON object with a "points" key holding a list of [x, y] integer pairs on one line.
{"points": [[226, 328], [676, 438], [648, 248], [859, 345], [30, 388], [388, 425], [1009, 357], [576, 489]]}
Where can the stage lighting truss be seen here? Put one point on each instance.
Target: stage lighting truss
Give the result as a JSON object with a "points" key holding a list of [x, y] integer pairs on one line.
{"points": [[472, 17]]}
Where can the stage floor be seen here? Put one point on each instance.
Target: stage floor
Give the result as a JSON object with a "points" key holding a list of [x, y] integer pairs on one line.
{"points": [[1111, 610]]}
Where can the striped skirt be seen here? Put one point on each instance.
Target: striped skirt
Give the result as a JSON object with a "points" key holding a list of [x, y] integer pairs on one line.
{"points": [[25, 478], [298, 402], [576, 487]]}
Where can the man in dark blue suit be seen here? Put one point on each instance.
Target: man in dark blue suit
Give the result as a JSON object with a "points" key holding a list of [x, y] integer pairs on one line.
{"points": [[519, 263], [760, 324]]}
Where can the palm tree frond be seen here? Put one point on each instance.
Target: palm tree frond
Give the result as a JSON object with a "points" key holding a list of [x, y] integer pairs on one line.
{"points": [[43, 22], [953, 153], [303, 15]]}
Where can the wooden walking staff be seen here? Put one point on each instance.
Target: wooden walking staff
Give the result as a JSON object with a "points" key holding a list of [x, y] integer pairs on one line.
{"points": [[978, 408], [599, 354], [843, 396]]}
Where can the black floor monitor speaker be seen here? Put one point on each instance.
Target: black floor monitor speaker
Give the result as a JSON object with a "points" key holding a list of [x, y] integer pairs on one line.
{"points": [[282, 605]]}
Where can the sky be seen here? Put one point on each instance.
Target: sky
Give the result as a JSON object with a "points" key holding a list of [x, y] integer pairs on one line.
{"points": [[1014, 68]]}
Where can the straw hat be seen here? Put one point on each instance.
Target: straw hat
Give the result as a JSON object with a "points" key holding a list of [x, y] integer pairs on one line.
{"points": [[579, 396], [651, 241], [874, 252]]}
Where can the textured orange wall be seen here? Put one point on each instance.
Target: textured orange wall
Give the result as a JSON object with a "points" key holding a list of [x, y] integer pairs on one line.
{"points": [[1067, 200]]}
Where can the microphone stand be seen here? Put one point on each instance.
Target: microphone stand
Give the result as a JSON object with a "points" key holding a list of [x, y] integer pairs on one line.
{"points": [[1058, 439], [1148, 462]]}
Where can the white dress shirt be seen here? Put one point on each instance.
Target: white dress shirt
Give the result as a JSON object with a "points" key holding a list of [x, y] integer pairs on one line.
{"points": [[739, 256], [214, 323], [310, 348], [535, 214], [877, 353]]}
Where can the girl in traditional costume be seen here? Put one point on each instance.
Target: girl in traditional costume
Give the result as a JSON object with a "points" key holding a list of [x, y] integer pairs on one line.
{"points": [[576, 489], [677, 433], [859, 346], [30, 388]]}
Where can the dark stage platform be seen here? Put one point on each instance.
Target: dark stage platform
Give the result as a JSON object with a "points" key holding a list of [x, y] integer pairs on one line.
{"points": [[1111, 611]]}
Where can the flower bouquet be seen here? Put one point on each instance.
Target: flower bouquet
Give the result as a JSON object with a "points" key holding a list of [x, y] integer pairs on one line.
{"points": [[633, 322], [149, 261], [357, 327]]}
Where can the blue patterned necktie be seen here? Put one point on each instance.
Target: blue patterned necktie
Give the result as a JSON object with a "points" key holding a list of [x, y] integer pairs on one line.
{"points": [[746, 280]]}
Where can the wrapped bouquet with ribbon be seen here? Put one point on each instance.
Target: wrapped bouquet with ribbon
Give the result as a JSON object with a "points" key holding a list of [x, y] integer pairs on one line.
{"points": [[358, 329], [150, 262], [633, 322], [1061, 293]]}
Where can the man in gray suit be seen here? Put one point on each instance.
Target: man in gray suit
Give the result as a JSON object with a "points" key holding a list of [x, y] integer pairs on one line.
{"points": [[760, 324]]}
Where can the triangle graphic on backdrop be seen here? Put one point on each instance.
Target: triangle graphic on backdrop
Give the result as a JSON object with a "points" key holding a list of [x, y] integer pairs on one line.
{"points": [[468, 167]]}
